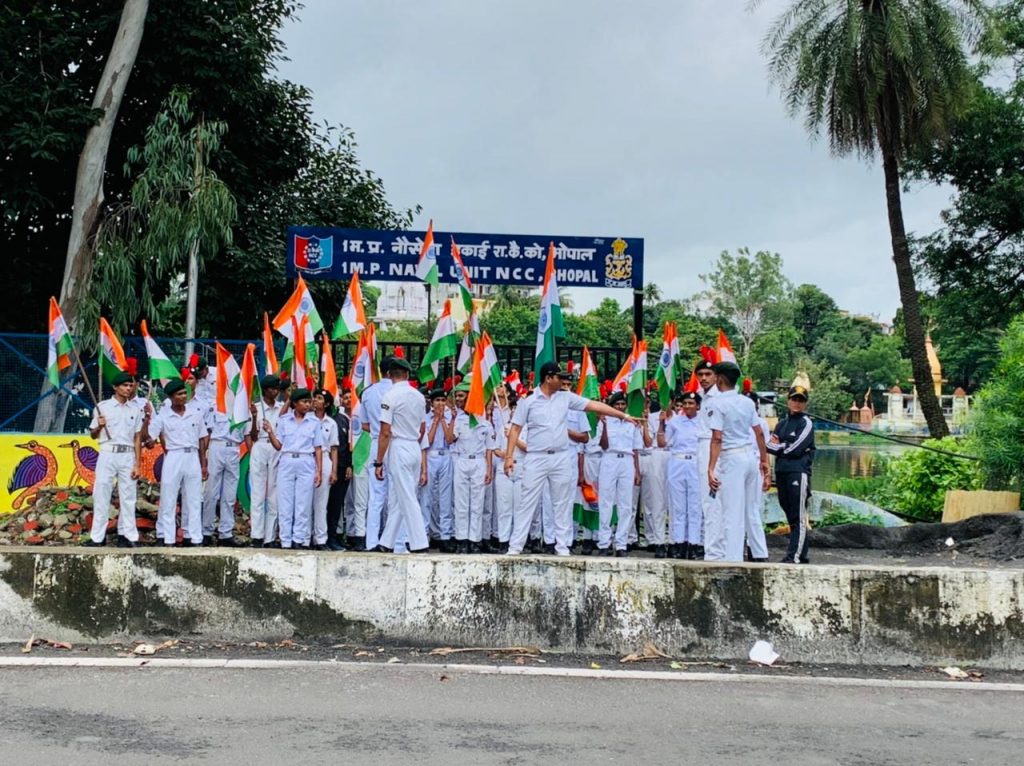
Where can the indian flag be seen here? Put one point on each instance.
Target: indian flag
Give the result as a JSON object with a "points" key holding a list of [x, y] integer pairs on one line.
{"points": [[491, 367], [472, 332], [363, 365], [426, 267], [300, 304], [460, 274], [245, 388], [588, 387], [161, 368], [111, 354], [667, 365], [724, 352], [476, 402], [58, 345], [549, 326], [270, 366], [328, 374], [300, 351], [227, 378], [352, 318], [637, 380], [444, 344]]}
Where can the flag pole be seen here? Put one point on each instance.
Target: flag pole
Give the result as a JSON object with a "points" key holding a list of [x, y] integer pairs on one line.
{"points": [[429, 303], [88, 385]]}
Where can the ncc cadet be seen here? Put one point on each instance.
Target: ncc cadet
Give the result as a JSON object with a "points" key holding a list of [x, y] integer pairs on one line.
{"points": [[589, 474], [323, 400], [402, 420], [733, 471], [206, 378], [620, 473], [117, 426], [549, 463], [359, 490], [792, 443], [708, 390], [183, 435], [336, 498], [224, 458], [369, 416], [654, 481], [757, 544], [473, 445], [263, 460], [679, 436], [299, 439], [436, 497], [504, 491]]}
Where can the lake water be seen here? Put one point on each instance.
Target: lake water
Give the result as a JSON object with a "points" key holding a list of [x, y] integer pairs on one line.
{"points": [[845, 462]]}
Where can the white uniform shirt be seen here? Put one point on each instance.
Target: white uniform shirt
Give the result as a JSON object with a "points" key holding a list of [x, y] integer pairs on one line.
{"points": [[470, 440], [369, 405], [220, 429], [178, 431], [329, 431], [440, 443], [704, 413], [206, 388], [653, 424], [623, 436], [682, 434], [548, 419], [766, 432], [264, 414], [578, 422], [299, 435], [402, 408], [734, 416], [123, 422]]}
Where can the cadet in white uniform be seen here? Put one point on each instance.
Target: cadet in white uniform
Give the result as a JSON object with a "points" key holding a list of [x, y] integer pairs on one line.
{"points": [[733, 471], [709, 390], [436, 497], [680, 435], [402, 420], [654, 482], [549, 463], [620, 472], [183, 435], [369, 417], [224, 457], [756, 541], [299, 438], [506, 489], [263, 461], [473, 472], [322, 402], [358, 493], [117, 426]]}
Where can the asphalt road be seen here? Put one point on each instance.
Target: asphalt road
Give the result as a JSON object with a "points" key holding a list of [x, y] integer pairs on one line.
{"points": [[390, 715]]}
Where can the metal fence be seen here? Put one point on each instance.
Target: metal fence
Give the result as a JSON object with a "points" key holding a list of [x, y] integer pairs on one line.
{"points": [[23, 385]]}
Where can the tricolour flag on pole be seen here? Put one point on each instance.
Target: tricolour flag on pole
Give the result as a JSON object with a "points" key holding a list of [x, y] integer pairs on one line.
{"points": [[667, 365], [363, 365], [492, 370], [426, 267], [245, 388], [637, 381], [328, 375], [270, 365], [465, 286], [300, 304], [58, 345], [227, 374], [111, 354], [549, 325], [481, 377], [161, 368], [588, 387], [299, 352], [443, 345], [469, 339], [724, 352], [352, 318]]}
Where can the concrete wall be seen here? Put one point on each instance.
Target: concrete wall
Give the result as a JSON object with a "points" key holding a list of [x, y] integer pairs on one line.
{"points": [[811, 614]]}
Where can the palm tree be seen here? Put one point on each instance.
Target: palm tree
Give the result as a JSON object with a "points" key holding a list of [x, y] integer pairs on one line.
{"points": [[652, 293], [884, 76]]}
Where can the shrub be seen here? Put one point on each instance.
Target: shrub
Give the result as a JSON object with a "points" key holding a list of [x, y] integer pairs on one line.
{"points": [[838, 516], [914, 484]]}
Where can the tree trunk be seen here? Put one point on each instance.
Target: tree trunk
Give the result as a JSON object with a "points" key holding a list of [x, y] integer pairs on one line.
{"points": [[914, 328], [89, 185]]}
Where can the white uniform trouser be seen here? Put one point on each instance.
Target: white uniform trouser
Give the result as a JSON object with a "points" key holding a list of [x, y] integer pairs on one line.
{"points": [[111, 466], [725, 531], [356, 502], [507, 497], [221, 488], [555, 472], [377, 500], [684, 499], [263, 482], [618, 477], [755, 518], [654, 494], [295, 496], [436, 497], [320, 495], [547, 515], [181, 473], [470, 494], [707, 503], [402, 468], [487, 517]]}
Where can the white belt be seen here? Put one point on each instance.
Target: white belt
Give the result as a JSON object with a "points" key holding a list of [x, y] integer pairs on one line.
{"points": [[117, 449], [438, 452], [546, 451], [684, 455], [224, 442], [735, 449], [470, 457], [182, 449], [620, 454], [298, 454]]}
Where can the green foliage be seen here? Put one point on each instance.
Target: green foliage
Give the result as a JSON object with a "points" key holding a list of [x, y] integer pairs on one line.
{"points": [[916, 482], [839, 516], [829, 395], [997, 420], [770, 361], [864, 488]]}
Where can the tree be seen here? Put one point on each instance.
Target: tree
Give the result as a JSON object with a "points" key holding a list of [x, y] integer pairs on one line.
{"points": [[829, 388], [815, 313], [652, 294], [750, 291], [771, 358], [885, 77]]}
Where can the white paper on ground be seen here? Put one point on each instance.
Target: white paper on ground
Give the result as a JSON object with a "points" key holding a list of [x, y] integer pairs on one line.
{"points": [[763, 653]]}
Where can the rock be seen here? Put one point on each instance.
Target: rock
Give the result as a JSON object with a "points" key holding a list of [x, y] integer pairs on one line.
{"points": [[4, 521], [60, 521], [32, 517], [64, 534], [46, 533], [46, 519]]}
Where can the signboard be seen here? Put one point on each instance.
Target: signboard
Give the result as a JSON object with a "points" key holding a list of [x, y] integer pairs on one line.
{"points": [[490, 259]]}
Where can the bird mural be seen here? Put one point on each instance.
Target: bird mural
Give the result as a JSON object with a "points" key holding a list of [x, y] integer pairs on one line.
{"points": [[33, 472], [85, 463]]}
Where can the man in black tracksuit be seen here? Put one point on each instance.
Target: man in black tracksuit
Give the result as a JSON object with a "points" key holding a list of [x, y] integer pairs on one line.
{"points": [[792, 443]]}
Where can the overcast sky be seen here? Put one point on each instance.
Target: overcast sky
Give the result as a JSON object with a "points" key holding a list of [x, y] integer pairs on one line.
{"points": [[600, 118]]}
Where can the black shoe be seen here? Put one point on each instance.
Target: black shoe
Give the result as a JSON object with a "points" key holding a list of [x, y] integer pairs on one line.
{"points": [[696, 552], [230, 542], [359, 543], [621, 554], [447, 546], [124, 542], [208, 541], [661, 552], [588, 547], [320, 547], [755, 560], [786, 560], [334, 545], [462, 546], [272, 544], [90, 543], [682, 551], [256, 542], [190, 544], [300, 547], [605, 552], [382, 549], [420, 550], [549, 549], [476, 548]]}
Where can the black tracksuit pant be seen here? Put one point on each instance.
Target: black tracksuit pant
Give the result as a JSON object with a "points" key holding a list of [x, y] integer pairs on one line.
{"points": [[794, 489]]}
